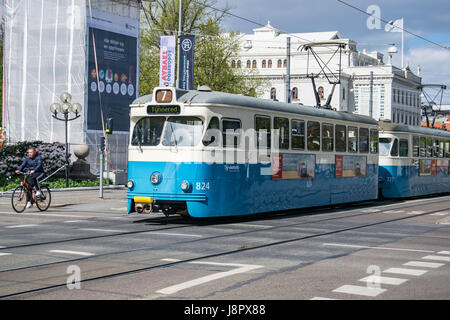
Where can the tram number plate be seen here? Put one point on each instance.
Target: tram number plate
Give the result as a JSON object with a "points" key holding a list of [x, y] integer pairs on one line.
{"points": [[202, 186]]}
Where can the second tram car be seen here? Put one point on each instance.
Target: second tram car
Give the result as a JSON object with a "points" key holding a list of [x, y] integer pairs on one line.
{"points": [[414, 161], [208, 154]]}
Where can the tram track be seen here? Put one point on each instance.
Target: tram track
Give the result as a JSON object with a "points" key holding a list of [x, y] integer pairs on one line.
{"points": [[217, 254], [236, 219]]}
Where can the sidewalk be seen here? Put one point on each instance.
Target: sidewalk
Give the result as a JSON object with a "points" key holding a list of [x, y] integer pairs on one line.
{"points": [[73, 196]]}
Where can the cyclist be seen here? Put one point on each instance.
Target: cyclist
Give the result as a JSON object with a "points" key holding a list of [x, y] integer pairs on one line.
{"points": [[34, 162]]}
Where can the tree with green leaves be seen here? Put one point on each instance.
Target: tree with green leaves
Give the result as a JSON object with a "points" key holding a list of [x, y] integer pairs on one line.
{"points": [[213, 48]]}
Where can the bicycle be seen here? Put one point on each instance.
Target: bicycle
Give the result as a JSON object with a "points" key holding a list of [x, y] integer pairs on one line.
{"points": [[19, 198]]}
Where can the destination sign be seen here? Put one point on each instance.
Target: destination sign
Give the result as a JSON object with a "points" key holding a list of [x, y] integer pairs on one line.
{"points": [[165, 109]]}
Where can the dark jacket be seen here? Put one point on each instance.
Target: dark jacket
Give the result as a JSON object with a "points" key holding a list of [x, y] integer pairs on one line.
{"points": [[33, 164]]}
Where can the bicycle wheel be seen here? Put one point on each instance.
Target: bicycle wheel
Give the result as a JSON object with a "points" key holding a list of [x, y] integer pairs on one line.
{"points": [[19, 199], [44, 200]]}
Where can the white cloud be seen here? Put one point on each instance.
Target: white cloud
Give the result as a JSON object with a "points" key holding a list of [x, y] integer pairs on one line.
{"points": [[434, 64]]}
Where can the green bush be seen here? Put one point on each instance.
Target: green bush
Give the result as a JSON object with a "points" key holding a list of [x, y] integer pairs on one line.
{"points": [[12, 155]]}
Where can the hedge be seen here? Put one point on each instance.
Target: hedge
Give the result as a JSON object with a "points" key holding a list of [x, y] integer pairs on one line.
{"points": [[12, 155]]}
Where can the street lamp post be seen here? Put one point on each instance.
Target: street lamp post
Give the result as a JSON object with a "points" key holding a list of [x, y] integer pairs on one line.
{"points": [[65, 109]]}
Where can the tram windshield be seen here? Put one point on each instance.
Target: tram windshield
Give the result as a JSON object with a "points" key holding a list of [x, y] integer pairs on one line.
{"points": [[178, 131], [385, 146], [183, 131], [147, 131]]}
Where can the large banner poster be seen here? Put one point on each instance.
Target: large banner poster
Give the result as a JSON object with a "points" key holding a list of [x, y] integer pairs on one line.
{"points": [[187, 62], [167, 61], [116, 55]]}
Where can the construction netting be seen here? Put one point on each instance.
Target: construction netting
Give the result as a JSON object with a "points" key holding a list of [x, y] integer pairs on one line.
{"points": [[49, 49]]}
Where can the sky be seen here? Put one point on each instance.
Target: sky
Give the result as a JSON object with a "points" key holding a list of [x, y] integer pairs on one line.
{"points": [[426, 25]]}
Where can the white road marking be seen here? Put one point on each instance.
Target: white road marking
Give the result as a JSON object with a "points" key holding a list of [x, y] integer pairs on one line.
{"points": [[423, 264], [45, 214], [170, 260], [5, 254], [394, 211], [361, 291], [367, 247], [411, 272], [322, 298], [21, 226], [415, 212], [436, 258], [254, 225], [383, 280], [178, 234], [370, 210], [100, 230], [72, 252], [441, 213], [443, 252], [74, 221], [241, 268]]}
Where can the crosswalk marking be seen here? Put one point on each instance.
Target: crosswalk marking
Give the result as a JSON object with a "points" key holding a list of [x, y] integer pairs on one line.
{"points": [[359, 290], [436, 258], [441, 213], [72, 252], [412, 272], [415, 212], [383, 280], [21, 226], [423, 264], [5, 254]]}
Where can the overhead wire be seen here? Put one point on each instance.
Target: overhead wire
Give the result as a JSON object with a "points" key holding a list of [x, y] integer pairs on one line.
{"points": [[387, 22]]}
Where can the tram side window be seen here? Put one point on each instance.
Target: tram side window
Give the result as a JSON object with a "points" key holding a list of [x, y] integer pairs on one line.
{"points": [[423, 147], [283, 125], [231, 134], [262, 127], [429, 147], [394, 150], [436, 148], [147, 131], [441, 149], [327, 137], [211, 133], [298, 134], [447, 150], [373, 141], [416, 146], [313, 132], [363, 140], [341, 136], [403, 148], [352, 139]]}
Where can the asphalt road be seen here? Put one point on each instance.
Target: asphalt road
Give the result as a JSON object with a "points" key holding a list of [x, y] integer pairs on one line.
{"points": [[84, 247]]}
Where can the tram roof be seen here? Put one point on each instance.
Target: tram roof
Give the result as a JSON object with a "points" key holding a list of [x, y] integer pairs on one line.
{"points": [[229, 99], [396, 127]]}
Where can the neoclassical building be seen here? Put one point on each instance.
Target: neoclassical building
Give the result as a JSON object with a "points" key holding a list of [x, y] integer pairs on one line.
{"points": [[395, 92]]}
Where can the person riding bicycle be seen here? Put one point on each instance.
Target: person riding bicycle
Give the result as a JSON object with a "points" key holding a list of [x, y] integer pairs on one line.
{"points": [[34, 162]]}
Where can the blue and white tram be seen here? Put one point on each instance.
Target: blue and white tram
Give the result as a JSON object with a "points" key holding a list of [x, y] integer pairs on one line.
{"points": [[414, 161], [207, 154]]}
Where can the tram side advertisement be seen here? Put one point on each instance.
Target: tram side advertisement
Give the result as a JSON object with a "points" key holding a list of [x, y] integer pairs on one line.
{"points": [[113, 60]]}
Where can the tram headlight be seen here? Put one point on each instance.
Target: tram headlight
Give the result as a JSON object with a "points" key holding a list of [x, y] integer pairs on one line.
{"points": [[155, 178], [130, 184], [185, 185]]}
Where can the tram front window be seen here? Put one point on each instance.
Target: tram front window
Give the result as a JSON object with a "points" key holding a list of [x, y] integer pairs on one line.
{"points": [[183, 131], [147, 131], [385, 146]]}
